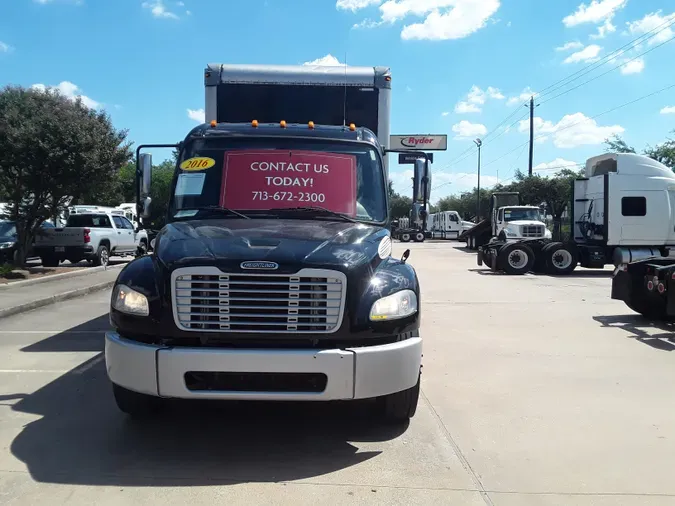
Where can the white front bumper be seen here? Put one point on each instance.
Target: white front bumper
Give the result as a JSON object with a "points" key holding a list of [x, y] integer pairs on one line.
{"points": [[353, 373]]}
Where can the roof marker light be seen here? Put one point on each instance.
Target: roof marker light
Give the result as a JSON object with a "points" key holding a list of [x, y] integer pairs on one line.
{"points": [[254, 123], [311, 125], [213, 123], [352, 127], [282, 123]]}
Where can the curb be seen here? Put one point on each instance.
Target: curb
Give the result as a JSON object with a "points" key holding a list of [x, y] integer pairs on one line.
{"points": [[58, 277], [53, 299]]}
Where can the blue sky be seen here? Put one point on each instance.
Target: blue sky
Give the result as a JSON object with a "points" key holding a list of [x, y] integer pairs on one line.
{"points": [[460, 67]]}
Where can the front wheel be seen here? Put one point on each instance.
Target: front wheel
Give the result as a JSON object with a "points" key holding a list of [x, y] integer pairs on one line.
{"points": [[419, 237], [134, 404], [405, 237], [401, 406]]}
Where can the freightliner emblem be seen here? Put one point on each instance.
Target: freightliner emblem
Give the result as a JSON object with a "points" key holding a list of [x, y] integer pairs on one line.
{"points": [[270, 266]]}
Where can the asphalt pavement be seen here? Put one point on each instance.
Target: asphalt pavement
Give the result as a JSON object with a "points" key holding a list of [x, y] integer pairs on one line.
{"points": [[536, 390]]}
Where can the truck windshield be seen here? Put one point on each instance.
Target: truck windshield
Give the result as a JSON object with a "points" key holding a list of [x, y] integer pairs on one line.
{"points": [[269, 176], [515, 214]]}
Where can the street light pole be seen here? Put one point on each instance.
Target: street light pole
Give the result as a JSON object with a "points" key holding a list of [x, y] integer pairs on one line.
{"points": [[478, 143]]}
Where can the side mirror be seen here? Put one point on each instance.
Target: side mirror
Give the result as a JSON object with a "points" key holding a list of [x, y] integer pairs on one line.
{"points": [[421, 184], [146, 173], [146, 207]]}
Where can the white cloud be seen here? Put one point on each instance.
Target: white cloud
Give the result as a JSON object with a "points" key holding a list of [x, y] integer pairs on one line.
{"points": [[367, 23], [445, 19], [604, 30], [408, 89], [573, 130], [442, 19], [328, 60], [477, 97], [5, 48], [466, 108], [569, 46], [555, 165], [445, 113], [524, 96], [668, 110], [651, 22], [633, 67], [355, 5], [197, 115], [159, 10], [467, 130], [595, 12], [587, 54], [70, 91]]}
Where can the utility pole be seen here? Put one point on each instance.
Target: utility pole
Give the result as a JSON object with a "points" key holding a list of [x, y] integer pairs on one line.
{"points": [[478, 143], [532, 106]]}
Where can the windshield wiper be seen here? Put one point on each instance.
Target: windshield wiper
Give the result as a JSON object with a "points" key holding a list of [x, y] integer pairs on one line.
{"points": [[217, 209], [320, 211]]}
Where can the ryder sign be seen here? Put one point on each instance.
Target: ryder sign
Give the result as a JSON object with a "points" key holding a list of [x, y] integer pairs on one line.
{"points": [[275, 179], [419, 142]]}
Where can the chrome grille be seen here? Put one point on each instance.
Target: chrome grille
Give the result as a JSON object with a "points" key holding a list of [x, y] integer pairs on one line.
{"points": [[532, 230], [206, 299]]}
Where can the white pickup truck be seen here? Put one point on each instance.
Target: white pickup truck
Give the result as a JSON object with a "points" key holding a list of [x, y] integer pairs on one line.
{"points": [[94, 236]]}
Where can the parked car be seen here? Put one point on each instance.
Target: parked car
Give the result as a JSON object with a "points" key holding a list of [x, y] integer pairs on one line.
{"points": [[8, 238], [94, 236]]}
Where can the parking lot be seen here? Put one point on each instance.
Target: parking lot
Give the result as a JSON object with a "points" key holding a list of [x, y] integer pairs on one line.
{"points": [[536, 390]]}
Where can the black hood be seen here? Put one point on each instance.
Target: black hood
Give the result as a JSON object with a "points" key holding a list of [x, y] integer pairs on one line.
{"points": [[290, 243]]}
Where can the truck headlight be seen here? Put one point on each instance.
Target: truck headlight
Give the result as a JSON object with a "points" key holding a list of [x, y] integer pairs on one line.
{"points": [[130, 301], [395, 306], [6, 245], [510, 233]]}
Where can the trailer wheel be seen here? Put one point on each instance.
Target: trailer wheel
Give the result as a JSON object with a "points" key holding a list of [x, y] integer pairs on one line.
{"points": [[419, 237], [405, 237], [560, 258], [516, 259]]}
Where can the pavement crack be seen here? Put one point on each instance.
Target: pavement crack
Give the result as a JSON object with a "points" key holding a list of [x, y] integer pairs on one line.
{"points": [[455, 447]]}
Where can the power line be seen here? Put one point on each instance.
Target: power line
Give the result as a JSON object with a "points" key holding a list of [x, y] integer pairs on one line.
{"points": [[605, 73], [581, 122], [605, 59]]}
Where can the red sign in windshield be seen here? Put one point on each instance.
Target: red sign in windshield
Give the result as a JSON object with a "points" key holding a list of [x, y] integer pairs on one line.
{"points": [[272, 179]]}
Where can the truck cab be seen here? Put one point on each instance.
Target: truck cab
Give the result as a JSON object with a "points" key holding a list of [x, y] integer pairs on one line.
{"points": [[519, 222], [273, 278]]}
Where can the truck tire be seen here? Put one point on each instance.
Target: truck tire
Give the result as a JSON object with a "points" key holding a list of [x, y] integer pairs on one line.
{"points": [[405, 237], [516, 258], [560, 258], [401, 406], [134, 404], [102, 255], [49, 261], [419, 237]]}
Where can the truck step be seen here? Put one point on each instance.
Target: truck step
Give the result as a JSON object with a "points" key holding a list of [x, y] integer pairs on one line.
{"points": [[581, 200]]}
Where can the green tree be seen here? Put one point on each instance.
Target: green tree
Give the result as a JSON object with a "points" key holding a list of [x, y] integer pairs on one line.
{"points": [[53, 150], [617, 145], [399, 205], [664, 152]]}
